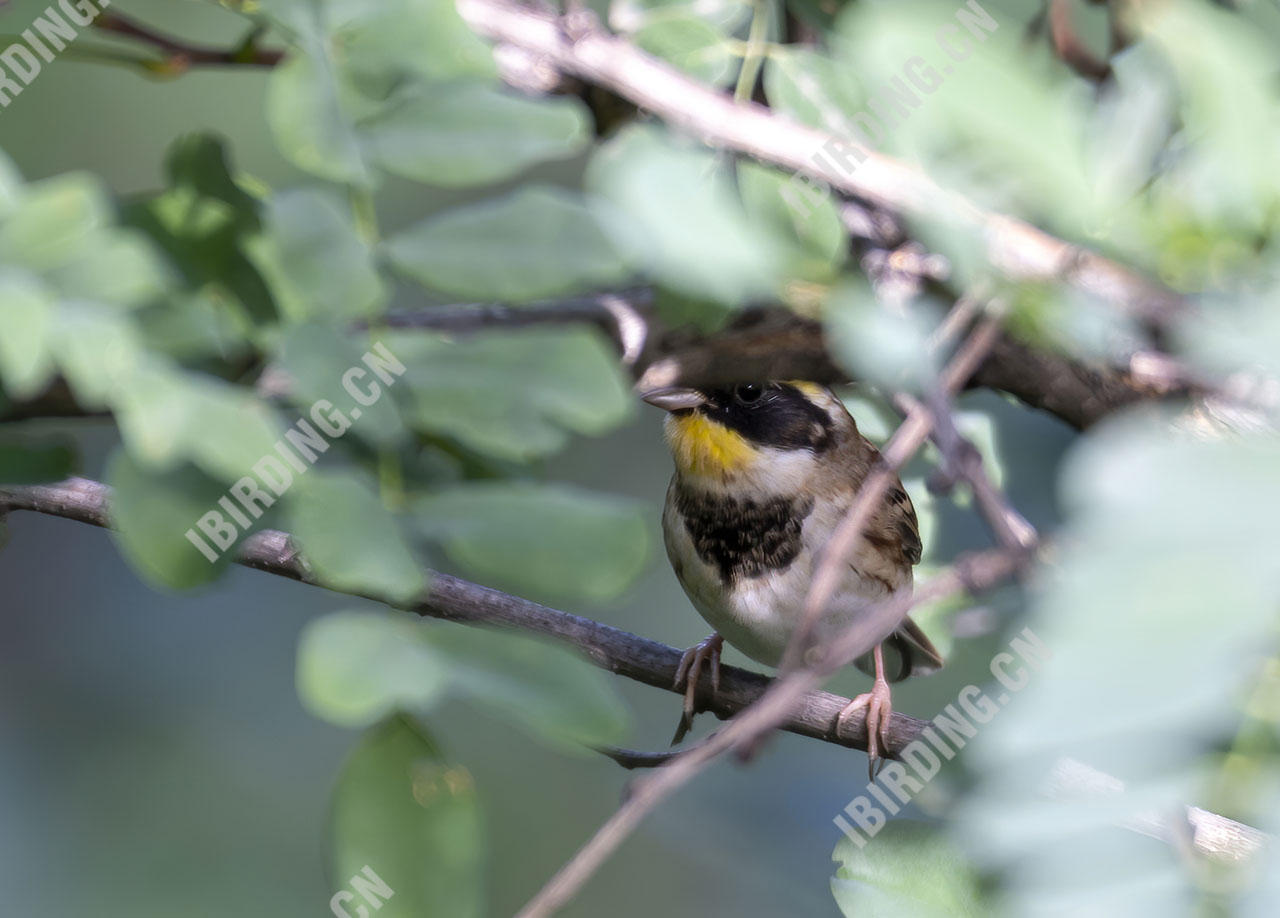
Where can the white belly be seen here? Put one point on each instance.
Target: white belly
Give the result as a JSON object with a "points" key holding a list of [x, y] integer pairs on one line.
{"points": [[758, 614]]}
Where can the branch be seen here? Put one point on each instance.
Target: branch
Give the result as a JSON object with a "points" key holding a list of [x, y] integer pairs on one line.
{"points": [[775, 343], [458, 600], [1015, 248], [180, 55]]}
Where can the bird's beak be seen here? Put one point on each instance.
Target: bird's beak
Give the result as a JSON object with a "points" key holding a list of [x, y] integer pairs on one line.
{"points": [[673, 398]]}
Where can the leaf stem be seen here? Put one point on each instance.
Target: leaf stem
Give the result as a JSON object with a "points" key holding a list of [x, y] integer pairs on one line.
{"points": [[755, 52]]}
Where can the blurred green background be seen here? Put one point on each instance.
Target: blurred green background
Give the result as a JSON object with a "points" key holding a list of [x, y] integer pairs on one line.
{"points": [[154, 758]]}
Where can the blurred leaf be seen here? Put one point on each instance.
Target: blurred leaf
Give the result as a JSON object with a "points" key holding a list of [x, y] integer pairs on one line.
{"points": [[676, 209], [539, 540], [151, 513], [725, 15], [26, 355], [407, 832], [811, 87], [202, 222], [351, 541], [55, 221], [546, 690], [1131, 124], [10, 185], [993, 126], [470, 134], [314, 260], [1224, 67], [816, 242], [316, 358], [305, 102], [200, 162], [537, 242], [875, 343], [1167, 564], [120, 268], [349, 57], [397, 38], [355, 668], [514, 394], [98, 349], [35, 460], [690, 43], [167, 415], [907, 869]]}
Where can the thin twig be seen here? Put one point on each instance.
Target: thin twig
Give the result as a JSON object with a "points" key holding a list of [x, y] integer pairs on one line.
{"points": [[180, 55]]}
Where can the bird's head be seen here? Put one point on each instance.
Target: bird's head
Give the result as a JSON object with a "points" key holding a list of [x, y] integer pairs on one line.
{"points": [[774, 434]]}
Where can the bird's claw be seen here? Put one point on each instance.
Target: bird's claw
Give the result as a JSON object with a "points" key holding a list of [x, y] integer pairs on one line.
{"points": [[877, 703], [689, 672]]}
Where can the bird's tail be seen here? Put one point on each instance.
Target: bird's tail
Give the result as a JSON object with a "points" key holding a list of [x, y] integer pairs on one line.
{"points": [[907, 652]]}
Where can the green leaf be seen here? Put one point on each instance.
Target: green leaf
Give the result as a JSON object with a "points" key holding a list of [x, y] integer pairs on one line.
{"points": [[407, 832], [167, 415], [514, 394], [677, 211], [10, 185], [35, 460], [26, 354], [200, 161], [1167, 563], [317, 361], [314, 260], [726, 15], [811, 87], [120, 268], [349, 57], [393, 39], [539, 540], [56, 220], [470, 134], [151, 512], [535, 243], [875, 343], [907, 869], [355, 668], [690, 43], [305, 110], [352, 542], [98, 349], [545, 689], [817, 243], [992, 126], [202, 222]]}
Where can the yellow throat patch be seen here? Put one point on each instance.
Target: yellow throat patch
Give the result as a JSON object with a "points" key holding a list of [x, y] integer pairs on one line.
{"points": [[703, 447]]}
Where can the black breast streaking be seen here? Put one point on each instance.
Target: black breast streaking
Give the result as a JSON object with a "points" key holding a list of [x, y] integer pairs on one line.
{"points": [[743, 538]]}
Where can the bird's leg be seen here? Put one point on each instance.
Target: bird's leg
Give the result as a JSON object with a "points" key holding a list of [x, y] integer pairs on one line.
{"points": [[689, 672], [879, 713]]}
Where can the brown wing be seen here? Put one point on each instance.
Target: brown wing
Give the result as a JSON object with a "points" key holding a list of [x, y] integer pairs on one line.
{"points": [[908, 651]]}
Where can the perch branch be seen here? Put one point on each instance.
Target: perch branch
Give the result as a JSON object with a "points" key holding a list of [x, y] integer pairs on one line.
{"points": [[458, 600]]}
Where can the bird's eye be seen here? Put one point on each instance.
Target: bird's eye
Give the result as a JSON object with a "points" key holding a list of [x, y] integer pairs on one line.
{"points": [[748, 393]]}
